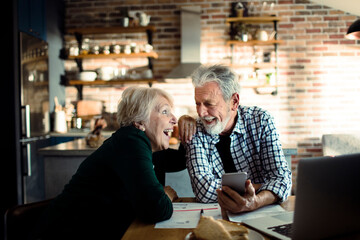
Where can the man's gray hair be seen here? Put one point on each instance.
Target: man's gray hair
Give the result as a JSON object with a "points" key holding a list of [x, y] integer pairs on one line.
{"points": [[223, 75], [137, 103]]}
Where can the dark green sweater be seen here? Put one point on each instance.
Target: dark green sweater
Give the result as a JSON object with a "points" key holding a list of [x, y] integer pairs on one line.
{"points": [[112, 187]]}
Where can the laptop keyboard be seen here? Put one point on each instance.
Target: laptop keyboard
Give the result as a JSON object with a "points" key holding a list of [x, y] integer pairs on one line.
{"points": [[283, 229]]}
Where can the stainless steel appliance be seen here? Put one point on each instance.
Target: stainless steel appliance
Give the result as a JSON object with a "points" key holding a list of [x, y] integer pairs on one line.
{"points": [[34, 114]]}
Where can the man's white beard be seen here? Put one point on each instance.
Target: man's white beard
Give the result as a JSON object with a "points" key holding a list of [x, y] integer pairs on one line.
{"points": [[218, 127]]}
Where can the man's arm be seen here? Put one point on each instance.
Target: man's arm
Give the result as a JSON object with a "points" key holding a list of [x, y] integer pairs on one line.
{"points": [[233, 202], [276, 174], [203, 181]]}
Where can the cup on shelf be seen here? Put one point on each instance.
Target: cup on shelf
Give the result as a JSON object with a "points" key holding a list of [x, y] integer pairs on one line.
{"points": [[124, 21], [147, 74]]}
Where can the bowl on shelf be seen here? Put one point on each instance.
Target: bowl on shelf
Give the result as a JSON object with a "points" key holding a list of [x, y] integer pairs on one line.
{"points": [[87, 76]]}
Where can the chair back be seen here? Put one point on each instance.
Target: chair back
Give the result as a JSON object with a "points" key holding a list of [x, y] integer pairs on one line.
{"points": [[21, 219]]}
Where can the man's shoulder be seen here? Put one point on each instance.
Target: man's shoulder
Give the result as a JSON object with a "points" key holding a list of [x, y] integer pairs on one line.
{"points": [[251, 112]]}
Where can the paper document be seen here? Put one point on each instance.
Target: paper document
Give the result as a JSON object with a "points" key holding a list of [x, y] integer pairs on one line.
{"points": [[261, 212], [187, 215]]}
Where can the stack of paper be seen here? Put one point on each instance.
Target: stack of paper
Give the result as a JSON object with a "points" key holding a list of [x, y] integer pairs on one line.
{"points": [[187, 215]]}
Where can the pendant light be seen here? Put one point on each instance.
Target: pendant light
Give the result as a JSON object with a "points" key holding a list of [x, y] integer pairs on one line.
{"points": [[354, 30]]}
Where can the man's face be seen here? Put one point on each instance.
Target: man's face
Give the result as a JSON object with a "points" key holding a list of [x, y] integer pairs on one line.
{"points": [[216, 114]]}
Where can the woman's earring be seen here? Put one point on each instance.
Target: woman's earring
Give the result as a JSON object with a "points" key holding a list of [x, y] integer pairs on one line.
{"points": [[138, 126]]}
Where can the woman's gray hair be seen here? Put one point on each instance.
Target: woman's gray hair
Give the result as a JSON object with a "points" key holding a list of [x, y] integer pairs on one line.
{"points": [[223, 75], [137, 103]]}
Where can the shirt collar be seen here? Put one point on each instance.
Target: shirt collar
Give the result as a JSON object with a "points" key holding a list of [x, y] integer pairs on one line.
{"points": [[240, 123]]}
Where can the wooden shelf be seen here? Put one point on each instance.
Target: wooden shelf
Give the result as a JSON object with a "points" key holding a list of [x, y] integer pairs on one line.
{"points": [[255, 65], [260, 19], [258, 86], [254, 42], [114, 55], [110, 82], [110, 30], [79, 34], [34, 59], [259, 89]]}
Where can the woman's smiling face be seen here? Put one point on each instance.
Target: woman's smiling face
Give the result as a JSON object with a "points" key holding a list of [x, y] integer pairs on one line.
{"points": [[160, 125]]}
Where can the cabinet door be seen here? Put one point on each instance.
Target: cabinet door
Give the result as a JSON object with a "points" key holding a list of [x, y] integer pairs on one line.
{"points": [[37, 18], [32, 17], [24, 15]]}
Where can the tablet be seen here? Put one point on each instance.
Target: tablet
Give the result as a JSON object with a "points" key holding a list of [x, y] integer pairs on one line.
{"points": [[235, 181]]}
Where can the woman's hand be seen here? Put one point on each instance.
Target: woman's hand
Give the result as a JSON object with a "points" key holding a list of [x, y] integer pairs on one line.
{"points": [[187, 128], [171, 193]]}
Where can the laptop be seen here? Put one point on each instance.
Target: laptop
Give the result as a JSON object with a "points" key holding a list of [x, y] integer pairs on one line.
{"points": [[327, 203]]}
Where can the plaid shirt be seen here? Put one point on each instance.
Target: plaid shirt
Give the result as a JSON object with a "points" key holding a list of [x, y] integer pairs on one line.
{"points": [[255, 148]]}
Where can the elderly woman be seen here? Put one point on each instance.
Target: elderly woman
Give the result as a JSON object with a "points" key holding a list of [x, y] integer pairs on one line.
{"points": [[117, 183]]}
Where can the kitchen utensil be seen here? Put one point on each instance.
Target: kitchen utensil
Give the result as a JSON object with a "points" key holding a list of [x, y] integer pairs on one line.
{"points": [[58, 107]]}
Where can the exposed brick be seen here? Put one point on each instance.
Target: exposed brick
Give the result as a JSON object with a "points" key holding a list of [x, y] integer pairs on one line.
{"points": [[314, 30], [297, 19], [347, 42], [340, 36], [317, 80], [331, 18]]}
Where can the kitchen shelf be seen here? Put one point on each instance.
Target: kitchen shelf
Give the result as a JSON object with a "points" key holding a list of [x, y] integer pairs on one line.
{"points": [[110, 30], [111, 82], [79, 34], [114, 55], [261, 19], [259, 89], [254, 42], [34, 59], [259, 86], [254, 65]]}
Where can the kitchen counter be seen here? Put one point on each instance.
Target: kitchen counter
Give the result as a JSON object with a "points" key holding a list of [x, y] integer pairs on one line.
{"points": [[62, 160], [77, 147], [79, 133]]}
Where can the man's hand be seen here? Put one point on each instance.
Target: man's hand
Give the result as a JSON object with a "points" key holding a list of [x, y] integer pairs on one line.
{"points": [[187, 128], [233, 202]]}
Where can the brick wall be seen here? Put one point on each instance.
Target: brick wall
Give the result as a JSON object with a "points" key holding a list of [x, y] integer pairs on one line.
{"points": [[319, 76]]}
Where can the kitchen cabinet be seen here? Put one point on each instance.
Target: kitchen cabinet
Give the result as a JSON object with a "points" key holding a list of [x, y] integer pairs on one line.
{"points": [[268, 82], [31, 17], [79, 34]]}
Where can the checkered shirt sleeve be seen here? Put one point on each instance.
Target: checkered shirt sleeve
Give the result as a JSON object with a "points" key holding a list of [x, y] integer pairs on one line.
{"points": [[255, 149]]}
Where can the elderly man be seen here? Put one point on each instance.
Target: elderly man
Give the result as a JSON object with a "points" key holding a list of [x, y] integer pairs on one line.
{"points": [[233, 138]]}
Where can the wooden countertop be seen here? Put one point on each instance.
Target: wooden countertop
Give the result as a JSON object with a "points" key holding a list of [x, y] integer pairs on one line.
{"points": [[78, 147], [79, 133], [140, 230]]}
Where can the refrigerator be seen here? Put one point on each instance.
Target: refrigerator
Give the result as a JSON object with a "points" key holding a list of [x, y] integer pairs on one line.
{"points": [[35, 123]]}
